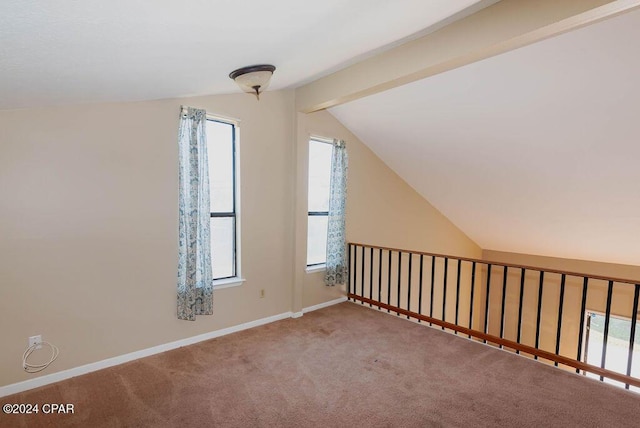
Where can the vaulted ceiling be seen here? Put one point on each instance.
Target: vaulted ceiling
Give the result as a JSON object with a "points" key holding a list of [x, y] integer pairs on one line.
{"points": [[532, 150]]}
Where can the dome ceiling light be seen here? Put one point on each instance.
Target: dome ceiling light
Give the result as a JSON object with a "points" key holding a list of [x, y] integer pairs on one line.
{"points": [[253, 79]]}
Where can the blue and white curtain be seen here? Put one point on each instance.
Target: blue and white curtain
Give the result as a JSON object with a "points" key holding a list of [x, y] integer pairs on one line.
{"points": [[195, 289], [336, 236]]}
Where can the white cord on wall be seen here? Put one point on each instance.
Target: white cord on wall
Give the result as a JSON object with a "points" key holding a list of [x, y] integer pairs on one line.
{"points": [[34, 368]]}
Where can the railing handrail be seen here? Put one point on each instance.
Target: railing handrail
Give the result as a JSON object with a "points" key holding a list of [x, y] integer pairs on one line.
{"points": [[509, 265], [484, 332]]}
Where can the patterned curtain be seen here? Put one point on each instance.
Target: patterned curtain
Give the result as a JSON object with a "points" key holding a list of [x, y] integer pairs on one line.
{"points": [[195, 290], [336, 236]]}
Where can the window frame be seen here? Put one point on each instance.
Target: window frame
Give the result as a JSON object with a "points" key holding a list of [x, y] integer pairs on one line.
{"points": [[236, 278], [586, 326], [316, 266]]}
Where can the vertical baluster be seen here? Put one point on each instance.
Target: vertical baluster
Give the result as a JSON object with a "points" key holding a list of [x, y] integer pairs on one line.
{"points": [[420, 292], [399, 279], [409, 285], [350, 270], [379, 277], [486, 303], [632, 334], [583, 309], [389, 283], [371, 276], [473, 285], [444, 289], [540, 290], [522, 272], [364, 258], [504, 297], [587, 334], [606, 326], [562, 283], [433, 275], [355, 271], [458, 291]]}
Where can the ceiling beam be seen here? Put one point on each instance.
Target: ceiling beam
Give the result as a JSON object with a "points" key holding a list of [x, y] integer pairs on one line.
{"points": [[501, 27]]}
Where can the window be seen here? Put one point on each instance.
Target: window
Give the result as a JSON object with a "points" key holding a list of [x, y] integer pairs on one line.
{"points": [[617, 345], [320, 152], [221, 146]]}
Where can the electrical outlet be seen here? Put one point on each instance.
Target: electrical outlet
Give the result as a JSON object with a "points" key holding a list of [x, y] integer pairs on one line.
{"points": [[36, 340], [262, 293]]}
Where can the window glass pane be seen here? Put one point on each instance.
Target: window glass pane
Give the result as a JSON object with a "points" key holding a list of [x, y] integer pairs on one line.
{"points": [[317, 239], [222, 247], [220, 145], [319, 175], [617, 346]]}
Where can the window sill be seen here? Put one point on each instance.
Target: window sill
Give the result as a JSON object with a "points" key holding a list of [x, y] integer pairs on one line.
{"points": [[316, 268], [227, 283]]}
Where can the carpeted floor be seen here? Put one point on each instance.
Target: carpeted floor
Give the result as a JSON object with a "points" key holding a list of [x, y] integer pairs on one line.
{"points": [[342, 366]]}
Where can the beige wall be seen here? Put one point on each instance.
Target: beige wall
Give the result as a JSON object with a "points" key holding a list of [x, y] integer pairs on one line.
{"points": [[88, 200], [622, 300], [382, 209], [581, 266], [88, 248]]}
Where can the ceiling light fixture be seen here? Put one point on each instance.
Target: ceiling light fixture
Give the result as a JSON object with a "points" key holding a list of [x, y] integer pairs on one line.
{"points": [[253, 79]]}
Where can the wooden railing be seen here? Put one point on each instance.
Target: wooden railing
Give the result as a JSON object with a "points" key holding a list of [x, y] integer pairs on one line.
{"points": [[534, 312]]}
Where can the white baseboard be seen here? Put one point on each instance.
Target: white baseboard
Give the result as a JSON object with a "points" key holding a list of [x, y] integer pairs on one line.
{"points": [[324, 305], [109, 362]]}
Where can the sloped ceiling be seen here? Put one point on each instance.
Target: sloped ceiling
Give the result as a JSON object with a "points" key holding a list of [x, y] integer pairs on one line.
{"points": [[533, 151], [54, 52]]}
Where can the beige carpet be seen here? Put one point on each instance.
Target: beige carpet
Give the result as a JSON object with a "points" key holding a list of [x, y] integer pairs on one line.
{"points": [[343, 366]]}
